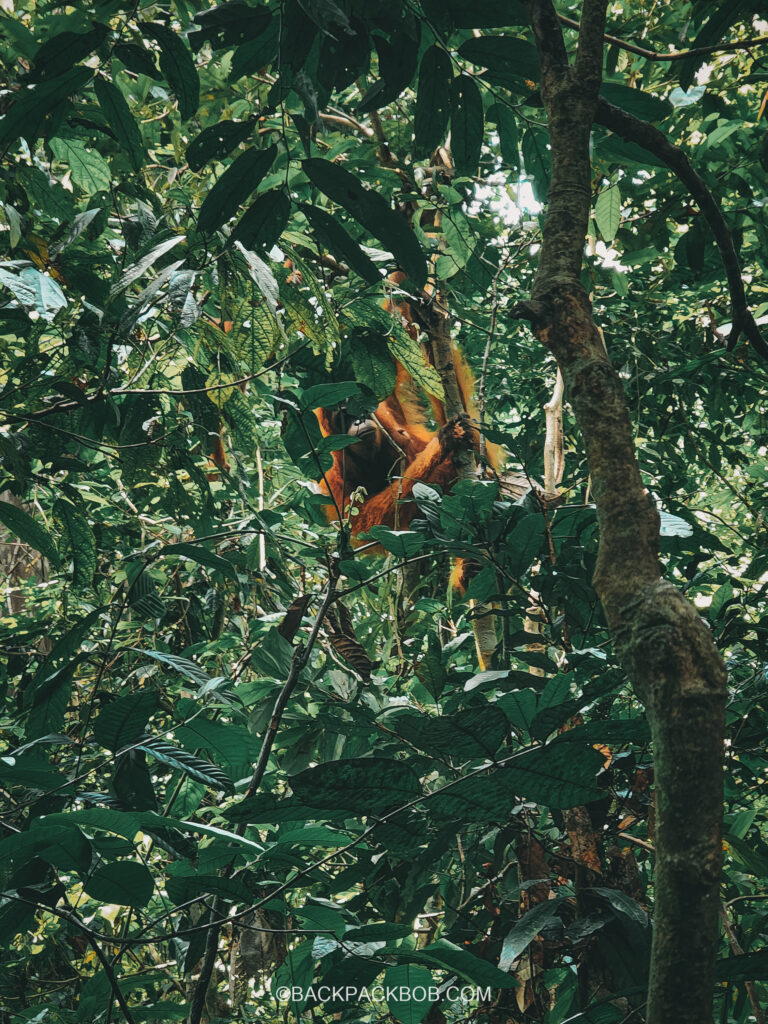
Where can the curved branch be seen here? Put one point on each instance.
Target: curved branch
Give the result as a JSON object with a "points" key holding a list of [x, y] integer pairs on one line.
{"points": [[632, 129], [697, 51]]}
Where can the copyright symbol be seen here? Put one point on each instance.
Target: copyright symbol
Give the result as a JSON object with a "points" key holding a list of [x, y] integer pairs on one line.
{"points": [[283, 994]]}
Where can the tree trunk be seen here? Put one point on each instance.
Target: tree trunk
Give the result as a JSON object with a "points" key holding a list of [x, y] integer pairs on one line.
{"points": [[660, 640]]}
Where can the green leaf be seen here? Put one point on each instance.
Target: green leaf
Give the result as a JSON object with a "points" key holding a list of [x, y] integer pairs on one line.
{"points": [[124, 720], [365, 785], [409, 353], [60, 52], [326, 396], [216, 141], [372, 211], [29, 531], [466, 124], [410, 987], [447, 955], [624, 904], [89, 168], [608, 212], [251, 57], [137, 59], [177, 66], [397, 65], [187, 668], [635, 101], [80, 542], [556, 775], [187, 764], [120, 119], [432, 101], [197, 553], [254, 335], [537, 162], [372, 362], [341, 243], [34, 291], [478, 14], [401, 543], [525, 931], [469, 733], [509, 142], [124, 882], [25, 117], [264, 221], [231, 744], [234, 186], [506, 54]]}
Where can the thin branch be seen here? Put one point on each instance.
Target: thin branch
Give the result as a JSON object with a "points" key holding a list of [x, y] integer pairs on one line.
{"points": [[697, 51], [299, 662], [649, 137]]}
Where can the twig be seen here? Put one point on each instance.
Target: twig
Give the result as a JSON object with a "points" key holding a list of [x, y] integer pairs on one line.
{"points": [[696, 51], [649, 137]]}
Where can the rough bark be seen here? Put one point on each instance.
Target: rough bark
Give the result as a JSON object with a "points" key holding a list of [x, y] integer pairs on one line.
{"points": [[664, 646]]}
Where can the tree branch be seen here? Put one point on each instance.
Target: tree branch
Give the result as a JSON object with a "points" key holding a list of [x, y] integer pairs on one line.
{"points": [[697, 51], [632, 129]]}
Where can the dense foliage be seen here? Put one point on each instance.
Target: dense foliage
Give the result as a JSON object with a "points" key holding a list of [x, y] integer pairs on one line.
{"points": [[200, 208]]}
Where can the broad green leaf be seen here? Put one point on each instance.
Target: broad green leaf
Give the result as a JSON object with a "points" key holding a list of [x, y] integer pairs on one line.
{"points": [[635, 101], [325, 396], [372, 211], [453, 958], [89, 168], [432, 101], [187, 764], [25, 117], [36, 292], [506, 54], [372, 362], [136, 270], [57, 54], [397, 65], [183, 665], [466, 124], [216, 141], [120, 119], [401, 543], [410, 987], [525, 931], [608, 212], [537, 161], [137, 58], [234, 186], [556, 775], [29, 531], [81, 543], [250, 57], [471, 733], [264, 221], [478, 14], [341, 244], [365, 785], [624, 904], [124, 882], [509, 142], [197, 553], [177, 66], [124, 720]]}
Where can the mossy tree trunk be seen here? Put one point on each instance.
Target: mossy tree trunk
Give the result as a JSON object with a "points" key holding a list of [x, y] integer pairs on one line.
{"points": [[664, 646]]}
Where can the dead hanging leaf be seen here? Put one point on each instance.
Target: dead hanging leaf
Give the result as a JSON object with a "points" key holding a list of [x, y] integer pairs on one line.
{"points": [[345, 643], [289, 627]]}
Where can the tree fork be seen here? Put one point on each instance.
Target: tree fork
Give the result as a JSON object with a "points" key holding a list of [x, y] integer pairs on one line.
{"points": [[662, 643]]}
